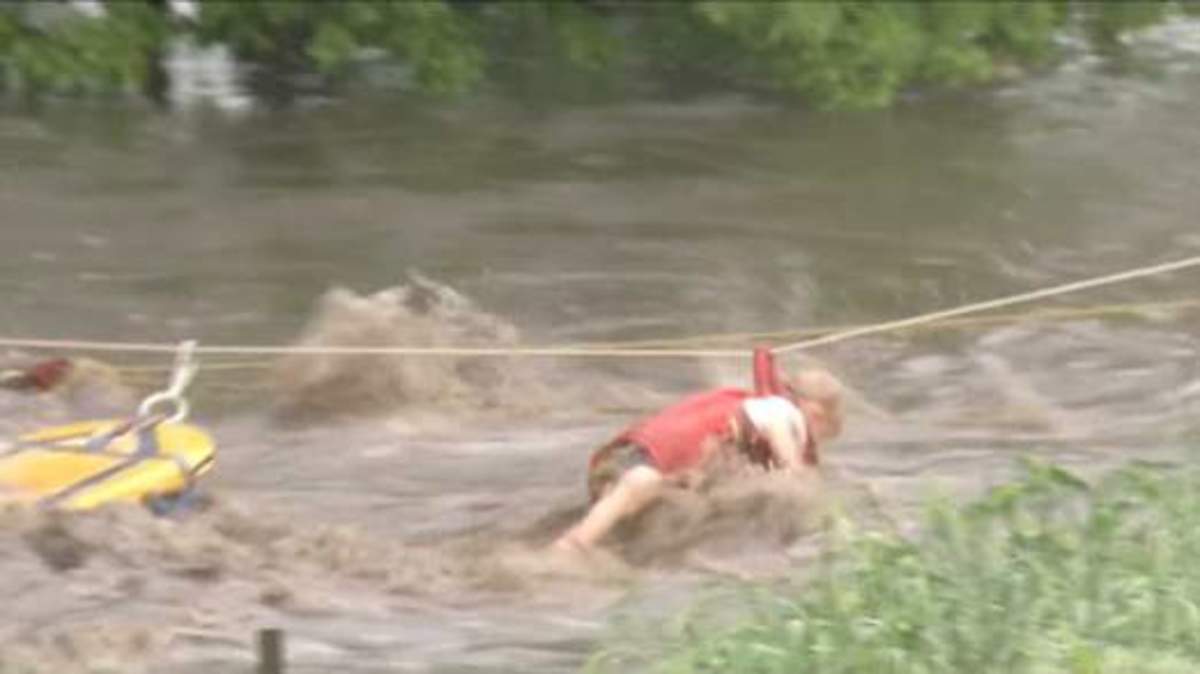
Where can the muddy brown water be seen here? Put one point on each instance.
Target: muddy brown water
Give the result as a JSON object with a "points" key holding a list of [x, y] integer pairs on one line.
{"points": [[409, 540]]}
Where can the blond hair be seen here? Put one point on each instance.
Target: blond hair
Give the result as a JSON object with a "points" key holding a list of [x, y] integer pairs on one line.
{"points": [[821, 387]]}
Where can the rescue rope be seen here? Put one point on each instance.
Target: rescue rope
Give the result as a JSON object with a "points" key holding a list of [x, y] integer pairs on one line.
{"points": [[976, 307], [630, 351], [247, 350], [1062, 313], [209, 366]]}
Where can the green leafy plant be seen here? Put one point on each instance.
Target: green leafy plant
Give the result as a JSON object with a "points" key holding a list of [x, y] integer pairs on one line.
{"points": [[833, 55], [79, 54], [1048, 574], [328, 36]]}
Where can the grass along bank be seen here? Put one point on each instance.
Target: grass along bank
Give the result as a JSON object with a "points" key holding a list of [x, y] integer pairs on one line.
{"points": [[1049, 574]]}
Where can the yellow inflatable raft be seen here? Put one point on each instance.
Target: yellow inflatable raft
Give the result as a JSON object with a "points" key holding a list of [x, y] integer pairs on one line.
{"points": [[93, 463]]}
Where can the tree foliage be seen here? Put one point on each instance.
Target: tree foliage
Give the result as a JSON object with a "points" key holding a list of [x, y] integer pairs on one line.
{"points": [[328, 36], [832, 54], [76, 53]]}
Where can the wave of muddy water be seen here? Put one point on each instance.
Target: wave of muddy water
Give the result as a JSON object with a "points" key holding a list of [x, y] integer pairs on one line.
{"points": [[409, 539]]}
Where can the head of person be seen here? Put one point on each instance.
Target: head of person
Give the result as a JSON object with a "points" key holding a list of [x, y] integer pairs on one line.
{"points": [[42, 376], [820, 395], [48, 375]]}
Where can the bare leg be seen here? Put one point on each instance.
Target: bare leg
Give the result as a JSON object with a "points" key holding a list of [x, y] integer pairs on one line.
{"points": [[634, 491]]}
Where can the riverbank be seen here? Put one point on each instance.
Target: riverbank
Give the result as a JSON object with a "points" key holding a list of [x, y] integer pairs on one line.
{"points": [[1048, 574]]}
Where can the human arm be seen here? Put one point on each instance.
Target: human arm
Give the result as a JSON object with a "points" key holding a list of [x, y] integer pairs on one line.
{"points": [[781, 426]]}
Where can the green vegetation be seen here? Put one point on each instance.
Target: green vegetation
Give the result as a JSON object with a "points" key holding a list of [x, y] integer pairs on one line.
{"points": [[1047, 575], [72, 53], [833, 55], [328, 36]]}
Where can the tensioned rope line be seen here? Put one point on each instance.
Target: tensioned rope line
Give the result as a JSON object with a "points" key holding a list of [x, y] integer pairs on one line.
{"points": [[1037, 315], [243, 363], [1010, 300], [1061, 313], [584, 352], [154, 347]]}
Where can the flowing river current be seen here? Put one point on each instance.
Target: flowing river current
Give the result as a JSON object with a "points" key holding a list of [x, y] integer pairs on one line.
{"points": [[400, 527]]}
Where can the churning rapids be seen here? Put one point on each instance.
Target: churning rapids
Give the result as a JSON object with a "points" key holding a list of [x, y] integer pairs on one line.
{"points": [[389, 513]]}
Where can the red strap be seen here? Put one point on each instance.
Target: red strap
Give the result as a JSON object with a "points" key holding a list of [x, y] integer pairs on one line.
{"points": [[766, 376]]}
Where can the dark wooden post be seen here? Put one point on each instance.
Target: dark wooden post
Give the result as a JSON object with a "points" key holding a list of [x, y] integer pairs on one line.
{"points": [[270, 651]]}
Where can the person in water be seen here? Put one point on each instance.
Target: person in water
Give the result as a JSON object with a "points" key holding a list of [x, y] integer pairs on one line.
{"points": [[80, 382], [777, 426]]}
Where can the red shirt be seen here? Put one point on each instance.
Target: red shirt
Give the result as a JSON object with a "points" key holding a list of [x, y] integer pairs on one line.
{"points": [[675, 437]]}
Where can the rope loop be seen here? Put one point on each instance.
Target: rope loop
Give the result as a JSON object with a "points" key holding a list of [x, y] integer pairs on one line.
{"points": [[181, 377], [177, 410]]}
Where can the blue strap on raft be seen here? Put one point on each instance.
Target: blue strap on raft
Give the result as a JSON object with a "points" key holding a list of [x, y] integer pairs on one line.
{"points": [[147, 433], [147, 447]]}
